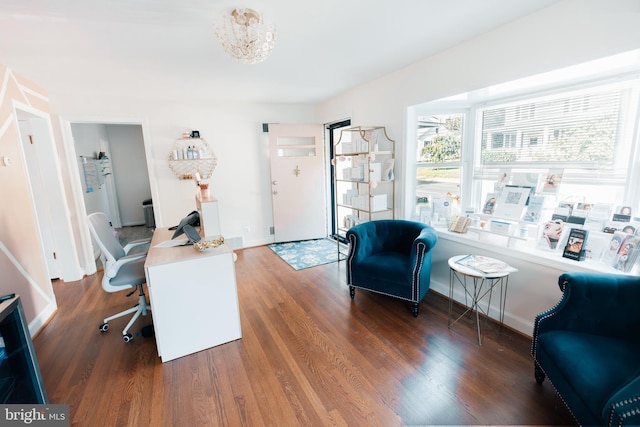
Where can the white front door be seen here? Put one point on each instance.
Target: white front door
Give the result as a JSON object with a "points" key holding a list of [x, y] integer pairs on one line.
{"points": [[297, 182]]}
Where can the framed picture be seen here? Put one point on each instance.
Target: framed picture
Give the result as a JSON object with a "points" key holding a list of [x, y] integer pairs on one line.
{"points": [[512, 202]]}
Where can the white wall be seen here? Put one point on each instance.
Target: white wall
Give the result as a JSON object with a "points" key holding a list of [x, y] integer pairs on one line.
{"points": [[129, 167], [241, 181], [87, 138], [568, 33]]}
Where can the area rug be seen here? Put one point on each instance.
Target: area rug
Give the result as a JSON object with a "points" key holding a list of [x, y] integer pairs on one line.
{"points": [[307, 253]]}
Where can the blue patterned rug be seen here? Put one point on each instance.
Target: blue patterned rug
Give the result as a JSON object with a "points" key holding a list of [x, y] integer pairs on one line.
{"points": [[307, 253]]}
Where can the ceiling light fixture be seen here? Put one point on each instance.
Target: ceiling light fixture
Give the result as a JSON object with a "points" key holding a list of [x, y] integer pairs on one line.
{"points": [[245, 37]]}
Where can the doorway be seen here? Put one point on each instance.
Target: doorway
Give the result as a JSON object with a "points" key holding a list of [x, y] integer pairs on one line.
{"points": [[113, 170], [124, 177], [333, 136]]}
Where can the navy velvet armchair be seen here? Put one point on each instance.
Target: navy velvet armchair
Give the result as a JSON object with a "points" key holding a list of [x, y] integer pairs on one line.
{"points": [[588, 345], [391, 257]]}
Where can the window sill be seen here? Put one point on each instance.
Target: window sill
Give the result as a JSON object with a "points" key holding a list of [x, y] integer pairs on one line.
{"points": [[525, 250]]}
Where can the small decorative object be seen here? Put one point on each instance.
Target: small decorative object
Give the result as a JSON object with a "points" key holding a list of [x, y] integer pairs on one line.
{"points": [[204, 190], [204, 245], [460, 224], [194, 134]]}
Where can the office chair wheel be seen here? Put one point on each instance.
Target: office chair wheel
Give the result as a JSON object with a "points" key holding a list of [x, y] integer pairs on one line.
{"points": [[104, 327], [127, 337]]}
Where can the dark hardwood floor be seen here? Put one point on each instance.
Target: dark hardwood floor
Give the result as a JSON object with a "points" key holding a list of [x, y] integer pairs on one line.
{"points": [[309, 356]]}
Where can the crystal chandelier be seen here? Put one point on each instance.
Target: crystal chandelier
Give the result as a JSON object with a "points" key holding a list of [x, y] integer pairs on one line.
{"points": [[246, 37]]}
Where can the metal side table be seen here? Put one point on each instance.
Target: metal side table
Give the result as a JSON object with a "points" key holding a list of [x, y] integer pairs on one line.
{"points": [[478, 275]]}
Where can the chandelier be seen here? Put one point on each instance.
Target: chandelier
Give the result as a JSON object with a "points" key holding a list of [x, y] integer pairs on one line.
{"points": [[245, 37]]}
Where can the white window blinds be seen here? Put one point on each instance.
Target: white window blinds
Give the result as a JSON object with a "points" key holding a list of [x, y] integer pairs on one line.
{"points": [[580, 127]]}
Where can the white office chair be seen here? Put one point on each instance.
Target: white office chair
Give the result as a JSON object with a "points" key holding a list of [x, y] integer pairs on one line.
{"points": [[121, 270]]}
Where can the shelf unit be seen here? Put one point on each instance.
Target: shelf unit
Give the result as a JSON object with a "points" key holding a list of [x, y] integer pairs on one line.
{"points": [[364, 178], [185, 162]]}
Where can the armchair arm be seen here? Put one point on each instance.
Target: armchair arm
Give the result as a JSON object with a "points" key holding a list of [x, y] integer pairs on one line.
{"points": [[135, 243], [624, 406], [112, 271], [596, 303], [428, 238]]}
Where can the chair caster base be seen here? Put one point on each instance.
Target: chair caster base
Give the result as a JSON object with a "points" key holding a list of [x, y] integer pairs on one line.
{"points": [[104, 327], [415, 310], [127, 337]]}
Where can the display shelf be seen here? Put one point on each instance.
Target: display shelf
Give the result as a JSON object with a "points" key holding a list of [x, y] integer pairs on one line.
{"points": [[363, 177], [190, 155]]}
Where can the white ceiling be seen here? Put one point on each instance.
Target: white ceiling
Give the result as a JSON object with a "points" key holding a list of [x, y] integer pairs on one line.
{"points": [[167, 48]]}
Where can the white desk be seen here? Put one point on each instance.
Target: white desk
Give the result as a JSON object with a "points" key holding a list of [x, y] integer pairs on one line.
{"points": [[193, 295], [482, 285]]}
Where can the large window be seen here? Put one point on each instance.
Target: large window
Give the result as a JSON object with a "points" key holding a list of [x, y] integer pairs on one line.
{"points": [[587, 133]]}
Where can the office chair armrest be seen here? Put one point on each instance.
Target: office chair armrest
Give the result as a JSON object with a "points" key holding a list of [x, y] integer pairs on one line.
{"points": [[134, 243], [111, 272]]}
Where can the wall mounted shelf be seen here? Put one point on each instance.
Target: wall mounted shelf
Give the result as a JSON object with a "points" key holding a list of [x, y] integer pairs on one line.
{"points": [[188, 155]]}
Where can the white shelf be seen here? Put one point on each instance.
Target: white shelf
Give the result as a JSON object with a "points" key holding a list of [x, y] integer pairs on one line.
{"points": [[186, 168]]}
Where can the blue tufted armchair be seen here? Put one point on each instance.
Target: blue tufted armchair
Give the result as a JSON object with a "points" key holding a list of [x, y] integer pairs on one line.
{"points": [[588, 345], [391, 257]]}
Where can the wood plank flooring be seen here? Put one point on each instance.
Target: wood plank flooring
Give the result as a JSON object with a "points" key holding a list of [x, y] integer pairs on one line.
{"points": [[309, 356]]}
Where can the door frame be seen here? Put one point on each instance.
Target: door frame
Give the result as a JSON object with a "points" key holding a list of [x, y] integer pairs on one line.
{"points": [[330, 142], [79, 211]]}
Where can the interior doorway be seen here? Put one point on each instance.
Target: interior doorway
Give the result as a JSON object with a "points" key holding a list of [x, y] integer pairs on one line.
{"points": [[113, 170], [124, 185]]}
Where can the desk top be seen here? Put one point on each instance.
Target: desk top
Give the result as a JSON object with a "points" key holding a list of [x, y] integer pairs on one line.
{"points": [[480, 266], [165, 255]]}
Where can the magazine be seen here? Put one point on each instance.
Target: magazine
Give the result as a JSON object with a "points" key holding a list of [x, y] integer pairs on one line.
{"points": [[534, 209], [576, 244], [552, 180], [489, 204], [552, 232], [615, 243], [484, 264], [627, 255]]}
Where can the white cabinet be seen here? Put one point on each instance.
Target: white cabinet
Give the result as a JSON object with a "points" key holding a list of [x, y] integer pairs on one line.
{"points": [[209, 216], [193, 295], [364, 178]]}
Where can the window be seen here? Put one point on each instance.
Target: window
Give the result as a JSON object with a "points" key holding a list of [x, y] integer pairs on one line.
{"points": [[589, 132], [583, 132], [439, 156], [575, 126]]}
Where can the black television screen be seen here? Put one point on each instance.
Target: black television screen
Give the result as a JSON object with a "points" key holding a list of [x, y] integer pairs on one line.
{"points": [[20, 377], [193, 219]]}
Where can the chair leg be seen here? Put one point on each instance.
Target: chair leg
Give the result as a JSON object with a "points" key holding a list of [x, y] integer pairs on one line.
{"points": [[415, 309], [539, 373], [352, 292], [140, 309]]}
